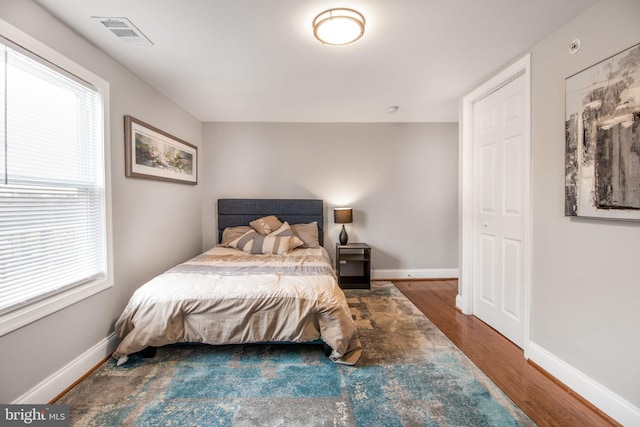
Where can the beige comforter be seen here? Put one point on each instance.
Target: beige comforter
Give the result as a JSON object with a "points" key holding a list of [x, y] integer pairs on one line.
{"points": [[226, 296]]}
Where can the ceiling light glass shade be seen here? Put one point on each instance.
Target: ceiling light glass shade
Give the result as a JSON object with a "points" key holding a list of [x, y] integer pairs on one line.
{"points": [[338, 26]]}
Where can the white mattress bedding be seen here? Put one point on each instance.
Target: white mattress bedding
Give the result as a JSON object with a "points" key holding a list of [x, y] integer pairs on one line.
{"points": [[226, 296]]}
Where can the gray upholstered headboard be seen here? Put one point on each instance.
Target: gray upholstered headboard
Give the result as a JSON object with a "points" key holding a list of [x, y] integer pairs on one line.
{"points": [[235, 212]]}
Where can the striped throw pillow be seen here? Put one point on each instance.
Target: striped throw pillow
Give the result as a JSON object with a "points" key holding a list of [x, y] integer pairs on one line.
{"points": [[286, 231], [255, 243]]}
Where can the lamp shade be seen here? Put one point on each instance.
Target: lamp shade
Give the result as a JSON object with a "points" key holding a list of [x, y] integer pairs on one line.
{"points": [[343, 215]]}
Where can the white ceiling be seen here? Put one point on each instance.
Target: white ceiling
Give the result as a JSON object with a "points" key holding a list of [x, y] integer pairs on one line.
{"points": [[257, 60]]}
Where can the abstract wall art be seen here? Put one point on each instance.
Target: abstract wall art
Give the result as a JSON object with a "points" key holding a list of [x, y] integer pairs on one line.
{"points": [[602, 127]]}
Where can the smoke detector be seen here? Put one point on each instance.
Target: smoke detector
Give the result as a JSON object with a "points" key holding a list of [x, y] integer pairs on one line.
{"points": [[124, 30], [574, 46]]}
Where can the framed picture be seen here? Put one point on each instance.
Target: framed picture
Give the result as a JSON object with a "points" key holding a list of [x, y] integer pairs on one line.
{"points": [[153, 154], [602, 128]]}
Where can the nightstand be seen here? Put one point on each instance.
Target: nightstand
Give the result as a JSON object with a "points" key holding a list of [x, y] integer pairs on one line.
{"points": [[353, 265]]}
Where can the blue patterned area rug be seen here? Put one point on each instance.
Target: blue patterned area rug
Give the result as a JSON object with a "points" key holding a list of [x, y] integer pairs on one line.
{"points": [[410, 375]]}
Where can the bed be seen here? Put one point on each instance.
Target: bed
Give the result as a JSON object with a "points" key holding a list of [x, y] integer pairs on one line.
{"points": [[269, 280]]}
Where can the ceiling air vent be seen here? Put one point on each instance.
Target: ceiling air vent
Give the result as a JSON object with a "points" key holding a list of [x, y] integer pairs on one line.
{"points": [[124, 30]]}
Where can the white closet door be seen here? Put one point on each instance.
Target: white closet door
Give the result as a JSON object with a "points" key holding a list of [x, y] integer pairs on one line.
{"points": [[499, 210]]}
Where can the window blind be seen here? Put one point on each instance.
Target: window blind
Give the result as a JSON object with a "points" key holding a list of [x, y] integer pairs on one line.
{"points": [[52, 193]]}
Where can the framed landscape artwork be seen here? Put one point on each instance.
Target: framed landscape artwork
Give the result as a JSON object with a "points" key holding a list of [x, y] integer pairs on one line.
{"points": [[153, 154], [602, 157]]}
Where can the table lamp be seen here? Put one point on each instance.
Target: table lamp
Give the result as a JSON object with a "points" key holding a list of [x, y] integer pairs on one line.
{"points": [[343, 216]]}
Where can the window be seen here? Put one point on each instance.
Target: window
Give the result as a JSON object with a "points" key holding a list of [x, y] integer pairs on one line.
{"points": [[54, 218]]}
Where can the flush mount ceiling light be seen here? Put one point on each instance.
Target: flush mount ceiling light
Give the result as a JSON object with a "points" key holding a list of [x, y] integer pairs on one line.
{"points": [[338, 26]]}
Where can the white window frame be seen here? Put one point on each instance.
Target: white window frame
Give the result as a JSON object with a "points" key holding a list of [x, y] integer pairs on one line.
{"points": [[32, 312]]}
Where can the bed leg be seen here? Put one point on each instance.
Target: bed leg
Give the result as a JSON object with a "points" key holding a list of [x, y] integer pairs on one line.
{"points": [[148, 352], [327, 349]]}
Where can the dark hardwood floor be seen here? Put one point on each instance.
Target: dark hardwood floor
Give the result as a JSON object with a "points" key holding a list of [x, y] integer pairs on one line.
{"points": [[546, 401]]}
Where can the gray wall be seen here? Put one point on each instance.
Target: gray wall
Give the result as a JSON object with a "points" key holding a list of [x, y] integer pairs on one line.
{"points": [[400, 179], [149, 233], [586, 286]]}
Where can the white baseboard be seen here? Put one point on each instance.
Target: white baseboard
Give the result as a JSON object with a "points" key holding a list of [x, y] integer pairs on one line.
{"points": [[70, 373], [421, 273], [607, 401], [459, 302]]}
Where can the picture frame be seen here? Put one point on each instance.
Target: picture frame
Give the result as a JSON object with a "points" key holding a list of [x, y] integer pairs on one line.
{"points": [[602, 139], [151, 153]]}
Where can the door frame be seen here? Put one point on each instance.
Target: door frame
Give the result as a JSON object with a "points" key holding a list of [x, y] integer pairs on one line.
{"points": [[467, 196]]}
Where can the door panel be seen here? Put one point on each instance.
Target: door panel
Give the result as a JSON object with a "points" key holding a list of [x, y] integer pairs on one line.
{"points": [[488, 278], [511, 273], [499, 219], [512, 164], [488, 189]]}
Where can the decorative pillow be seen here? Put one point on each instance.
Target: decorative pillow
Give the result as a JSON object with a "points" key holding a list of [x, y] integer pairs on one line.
{"points": [[255, 243], [284, 231], [308, 233], [232, 233], [266, 225]]}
